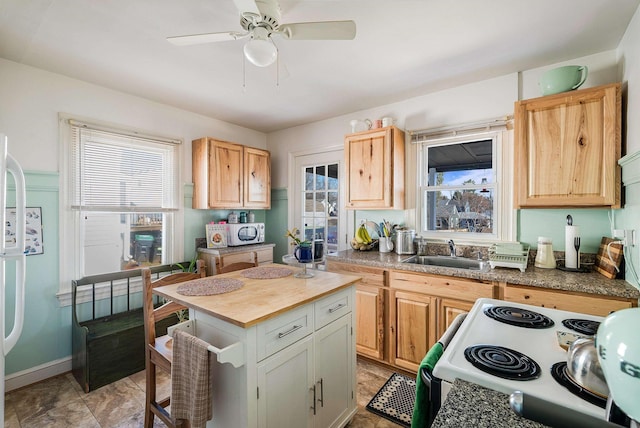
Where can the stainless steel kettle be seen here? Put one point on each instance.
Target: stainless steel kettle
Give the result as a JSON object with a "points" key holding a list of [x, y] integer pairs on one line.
{"points": [[404, 241]]}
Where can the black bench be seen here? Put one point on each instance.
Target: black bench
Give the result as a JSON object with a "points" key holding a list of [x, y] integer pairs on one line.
{"points": [[108, 344]]}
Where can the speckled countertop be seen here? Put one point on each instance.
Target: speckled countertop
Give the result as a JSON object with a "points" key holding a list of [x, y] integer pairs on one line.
{"points": [[471, 405], [592, 282]]}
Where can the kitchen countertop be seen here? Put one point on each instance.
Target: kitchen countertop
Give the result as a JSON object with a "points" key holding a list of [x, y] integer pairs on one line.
{"points": [[592, 282], [261, 299], [471, 405]]}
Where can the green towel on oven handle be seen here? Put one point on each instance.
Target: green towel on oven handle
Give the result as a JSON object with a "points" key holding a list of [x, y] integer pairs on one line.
{"points": [[421, 405]]}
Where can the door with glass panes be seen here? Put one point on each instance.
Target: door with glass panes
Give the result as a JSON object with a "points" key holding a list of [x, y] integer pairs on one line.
{"points": [[319, 214]]}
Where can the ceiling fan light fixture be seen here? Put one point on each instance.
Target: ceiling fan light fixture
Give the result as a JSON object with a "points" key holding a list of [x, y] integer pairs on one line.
{"points": [[260, 50]]}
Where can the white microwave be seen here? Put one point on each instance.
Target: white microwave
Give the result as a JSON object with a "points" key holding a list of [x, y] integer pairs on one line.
{"points": [[244, 234]]}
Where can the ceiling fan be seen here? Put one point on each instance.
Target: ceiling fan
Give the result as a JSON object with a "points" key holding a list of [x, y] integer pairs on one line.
{"points": [[260, 19]]}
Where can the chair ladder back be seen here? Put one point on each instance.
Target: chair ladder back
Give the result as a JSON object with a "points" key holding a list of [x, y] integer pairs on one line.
{"points": [[153, 315]]}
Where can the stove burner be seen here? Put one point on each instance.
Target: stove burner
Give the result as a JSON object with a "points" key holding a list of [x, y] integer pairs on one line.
{"points": [[588, 327], [518, 317], [502, 362], [559, 373]]}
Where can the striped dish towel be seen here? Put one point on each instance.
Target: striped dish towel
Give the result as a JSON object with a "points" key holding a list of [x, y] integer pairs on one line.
{"points": [[191, 379]]}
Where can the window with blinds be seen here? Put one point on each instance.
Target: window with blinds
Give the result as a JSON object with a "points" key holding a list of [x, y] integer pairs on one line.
{"points": [[123, 195]]}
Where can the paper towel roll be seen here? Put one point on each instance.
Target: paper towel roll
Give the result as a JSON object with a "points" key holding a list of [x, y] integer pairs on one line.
{"points": [[570, 253]]}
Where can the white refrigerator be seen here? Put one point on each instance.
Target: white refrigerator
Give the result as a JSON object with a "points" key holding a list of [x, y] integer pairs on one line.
{"points": [[12, 252]]}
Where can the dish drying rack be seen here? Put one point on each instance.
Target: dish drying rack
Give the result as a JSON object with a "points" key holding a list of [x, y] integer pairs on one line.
{"points": [[514, 255]]}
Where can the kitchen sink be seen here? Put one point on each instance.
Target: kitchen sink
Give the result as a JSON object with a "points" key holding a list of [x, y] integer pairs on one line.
{"points": [[448, 261]]}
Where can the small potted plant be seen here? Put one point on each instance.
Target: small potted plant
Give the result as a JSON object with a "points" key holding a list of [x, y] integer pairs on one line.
{"points": [[302, 250]]}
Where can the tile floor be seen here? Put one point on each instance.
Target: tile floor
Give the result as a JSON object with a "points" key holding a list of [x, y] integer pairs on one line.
{"points": [[59, 402]]}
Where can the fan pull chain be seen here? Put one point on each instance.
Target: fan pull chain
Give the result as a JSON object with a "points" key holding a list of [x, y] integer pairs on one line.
{"points": [[277, 65], [244, 75]]}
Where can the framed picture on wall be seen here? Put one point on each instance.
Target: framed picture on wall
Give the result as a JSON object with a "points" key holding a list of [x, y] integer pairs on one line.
{"points": [[33, 242]]}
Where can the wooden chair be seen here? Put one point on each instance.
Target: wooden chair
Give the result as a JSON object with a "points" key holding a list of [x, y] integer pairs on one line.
{"points": [[237, 265], [157, 352]]}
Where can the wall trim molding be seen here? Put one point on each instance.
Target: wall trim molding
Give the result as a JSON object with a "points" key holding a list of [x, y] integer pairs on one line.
{"points": [[630, 168], [37, 373], [39, 181]]}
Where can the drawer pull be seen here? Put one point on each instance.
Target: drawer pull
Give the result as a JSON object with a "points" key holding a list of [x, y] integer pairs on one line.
{"points": [[291, 330], [337, 307]]}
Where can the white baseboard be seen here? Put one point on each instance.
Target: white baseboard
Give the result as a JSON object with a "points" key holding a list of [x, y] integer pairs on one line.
{"points": [[36, 374]]}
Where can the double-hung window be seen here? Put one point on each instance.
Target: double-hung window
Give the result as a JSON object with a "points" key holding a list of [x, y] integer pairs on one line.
{"points": [[121, 200], [464, 184]]}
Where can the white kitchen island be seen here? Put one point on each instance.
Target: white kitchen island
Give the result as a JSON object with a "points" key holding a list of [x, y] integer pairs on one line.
{"points": [[297, 360]]}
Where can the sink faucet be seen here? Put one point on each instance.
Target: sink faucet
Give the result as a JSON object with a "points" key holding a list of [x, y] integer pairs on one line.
{"points": [[452, 247]]}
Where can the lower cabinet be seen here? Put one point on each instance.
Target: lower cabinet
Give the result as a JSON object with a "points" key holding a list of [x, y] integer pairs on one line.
{"points": [[371, 308], [422, 307], [370, 321], [310, 378], [573, 302], [413, 326]]}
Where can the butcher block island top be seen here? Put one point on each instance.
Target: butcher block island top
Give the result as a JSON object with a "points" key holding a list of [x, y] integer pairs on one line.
{"points": [[261, 299]]}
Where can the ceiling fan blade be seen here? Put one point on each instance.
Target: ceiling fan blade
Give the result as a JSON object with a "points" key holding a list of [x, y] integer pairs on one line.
{"points": [[247, 6], [195, 39], [328, 30]]}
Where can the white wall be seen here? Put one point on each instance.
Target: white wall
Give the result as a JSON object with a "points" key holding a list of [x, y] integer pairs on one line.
{"points": [[629, 61], [482, 100], [30, 100], [477, 101]]}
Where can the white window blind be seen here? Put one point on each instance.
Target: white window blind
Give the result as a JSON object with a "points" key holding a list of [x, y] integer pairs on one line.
{"points": [[120, 173]]}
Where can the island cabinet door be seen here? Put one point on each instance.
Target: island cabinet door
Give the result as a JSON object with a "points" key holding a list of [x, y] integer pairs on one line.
{"points": [[285, 387], [334, 361]]}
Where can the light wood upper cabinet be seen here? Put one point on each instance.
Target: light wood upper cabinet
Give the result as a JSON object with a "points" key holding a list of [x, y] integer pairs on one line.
{"points": [[567, 147], [375, 169], [257, 178], [229, 175]]}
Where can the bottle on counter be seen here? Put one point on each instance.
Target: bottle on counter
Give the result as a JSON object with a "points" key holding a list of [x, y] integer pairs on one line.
{"points": [[232, 218], [251, 217], [544, 257]]}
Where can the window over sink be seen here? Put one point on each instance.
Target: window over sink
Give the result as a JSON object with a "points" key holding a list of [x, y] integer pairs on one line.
{"points": [[465, 183]]}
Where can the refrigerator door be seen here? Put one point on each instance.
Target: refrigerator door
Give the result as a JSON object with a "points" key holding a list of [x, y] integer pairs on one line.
{"points": [[8, 165]]}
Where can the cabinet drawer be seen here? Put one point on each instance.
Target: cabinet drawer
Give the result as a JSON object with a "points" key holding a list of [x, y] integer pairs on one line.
{"points": [[593, 305], [280, 332], [369, 275], [442, 286], [332, 307]]}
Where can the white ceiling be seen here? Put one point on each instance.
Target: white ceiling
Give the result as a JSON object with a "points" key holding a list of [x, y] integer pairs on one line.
{"points": [[402, 49]]}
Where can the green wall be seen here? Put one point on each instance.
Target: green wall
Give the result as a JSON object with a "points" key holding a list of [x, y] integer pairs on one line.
{"points": [[276, 220], [46, 335], [593, 223]]}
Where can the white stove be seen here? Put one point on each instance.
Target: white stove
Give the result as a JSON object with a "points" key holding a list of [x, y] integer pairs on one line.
{"points": [[537, 344]]}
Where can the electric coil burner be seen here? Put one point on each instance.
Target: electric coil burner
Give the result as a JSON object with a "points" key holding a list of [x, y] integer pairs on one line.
{"points": [[588, 327], [519, 317], [502, 362], [559, 373]]}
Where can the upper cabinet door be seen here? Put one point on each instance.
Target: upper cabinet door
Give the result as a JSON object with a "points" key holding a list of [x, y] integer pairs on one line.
{"points": [[257, 178], [567, 148], [225, 174], [375, 169]]}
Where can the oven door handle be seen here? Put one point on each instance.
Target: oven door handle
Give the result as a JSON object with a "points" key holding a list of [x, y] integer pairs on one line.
{"points": [[553, 415], [452, 330]]}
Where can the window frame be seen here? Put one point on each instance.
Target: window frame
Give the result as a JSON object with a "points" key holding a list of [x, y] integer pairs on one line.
{"points": [[70, 224], [502, 183]]}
